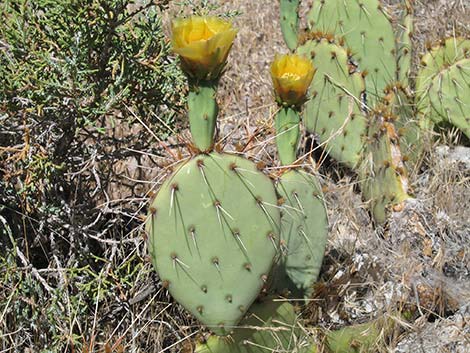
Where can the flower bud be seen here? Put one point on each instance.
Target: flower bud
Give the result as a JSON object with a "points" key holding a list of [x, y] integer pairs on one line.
{"points": [[291, 75], [203, 44]]}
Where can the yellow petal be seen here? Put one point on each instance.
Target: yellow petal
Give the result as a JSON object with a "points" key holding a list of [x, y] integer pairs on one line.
{"points": [[291, 75], [203, 43]]}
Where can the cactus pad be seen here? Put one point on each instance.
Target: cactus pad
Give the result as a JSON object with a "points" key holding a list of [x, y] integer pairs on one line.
{"points": [[287, 134], [203, 110], [270, 326], [290, 22], [449, 94], [304, 231], [438, 58], [213, 234], [414, 133], [384, 180], [404, 44], [367, 30], [334, 108]]}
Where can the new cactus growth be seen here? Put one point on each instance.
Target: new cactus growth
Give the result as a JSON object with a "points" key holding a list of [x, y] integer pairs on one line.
{"points": [[334, 110], [287, 134], [366, 29], [290, 22], [202, 112], [213, 225]]}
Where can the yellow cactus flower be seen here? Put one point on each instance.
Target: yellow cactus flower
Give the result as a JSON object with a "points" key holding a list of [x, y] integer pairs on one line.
{"points": [[203, 44], [291, 75]]}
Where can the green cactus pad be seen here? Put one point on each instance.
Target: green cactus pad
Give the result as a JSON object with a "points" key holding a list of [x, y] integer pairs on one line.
{"points": [[334, 108], [414, 133], [202, 111], [304, 231], [438, 58], [290, 22], [269, 326], [449, 94], [384, 181], [404, 45], [287, 134], [213, 233], [366, 30]]}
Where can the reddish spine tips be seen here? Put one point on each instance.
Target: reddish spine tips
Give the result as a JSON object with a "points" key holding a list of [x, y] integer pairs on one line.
{"points": [[174, 187], [153, 210]]}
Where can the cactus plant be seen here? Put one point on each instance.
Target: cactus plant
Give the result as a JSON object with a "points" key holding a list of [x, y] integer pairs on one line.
{"points": [[449, 94], [290, 22], [304, 231], [404, 33], [269, 326], [366, 29], [212, 226], [382, 172], [215, 222], [202, 113], [334, 110], [304, 225], [272, 326]]}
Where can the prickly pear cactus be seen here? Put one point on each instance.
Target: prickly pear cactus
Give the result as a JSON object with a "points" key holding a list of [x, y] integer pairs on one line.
{"points": [[269, 326], [334, 111], [202, 112], [213, 232], [413, 132], [304, 232], [367, 31], [438, 58], [404, 33], [290, 22], [287, 123], [384, 181], [449, 94]]}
